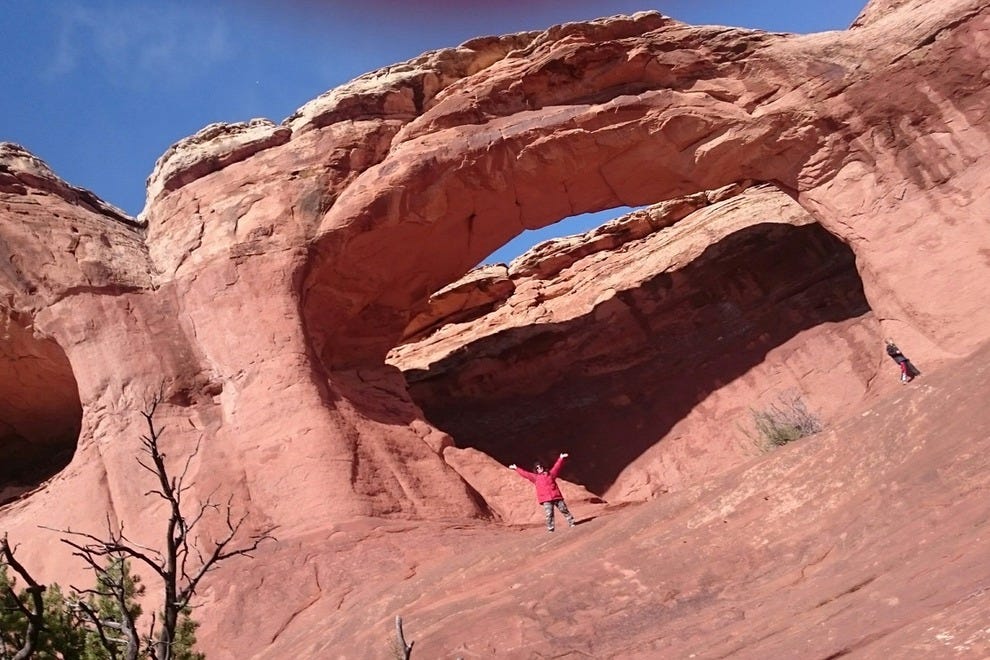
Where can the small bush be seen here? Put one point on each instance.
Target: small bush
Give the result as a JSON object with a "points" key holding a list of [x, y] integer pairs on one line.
{"points": [[784, 421]]}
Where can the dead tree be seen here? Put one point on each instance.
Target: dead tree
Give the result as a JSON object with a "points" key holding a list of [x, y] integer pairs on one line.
{"points": [[181, 563], [35, 614], [402, 650]]}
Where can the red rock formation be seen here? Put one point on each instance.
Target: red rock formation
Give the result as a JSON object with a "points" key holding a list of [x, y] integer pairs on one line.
{"points": [[274, 267], [645, 356]]}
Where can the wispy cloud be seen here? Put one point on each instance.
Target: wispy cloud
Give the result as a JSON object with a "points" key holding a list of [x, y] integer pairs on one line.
{"points": [[135, 44]]}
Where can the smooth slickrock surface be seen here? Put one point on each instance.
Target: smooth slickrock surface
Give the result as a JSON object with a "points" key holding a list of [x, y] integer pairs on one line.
{"points": [[867, 541], [809, 196]]}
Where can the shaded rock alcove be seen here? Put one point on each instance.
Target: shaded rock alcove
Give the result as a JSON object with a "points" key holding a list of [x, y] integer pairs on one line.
{"points": [[40, 411], [610, 384]]}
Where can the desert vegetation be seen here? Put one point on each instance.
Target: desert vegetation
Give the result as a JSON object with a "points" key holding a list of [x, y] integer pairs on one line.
{"points": [[785, 420], [105, 621]]}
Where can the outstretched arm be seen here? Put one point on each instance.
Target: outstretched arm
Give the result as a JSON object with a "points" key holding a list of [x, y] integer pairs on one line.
{"points": [[523, 473], [555, 470]]}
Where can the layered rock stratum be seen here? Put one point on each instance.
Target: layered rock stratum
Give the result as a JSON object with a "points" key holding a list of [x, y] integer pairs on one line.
{"points": [[303, 296]]}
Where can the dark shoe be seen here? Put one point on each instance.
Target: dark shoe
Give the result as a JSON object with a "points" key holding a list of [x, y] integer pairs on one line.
{"points": [[550, 529]]}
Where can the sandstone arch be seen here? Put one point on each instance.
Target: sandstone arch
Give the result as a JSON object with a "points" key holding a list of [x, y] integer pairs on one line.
{"points": [[336, 226], [434, 211], [647, 362], [595, 119]]}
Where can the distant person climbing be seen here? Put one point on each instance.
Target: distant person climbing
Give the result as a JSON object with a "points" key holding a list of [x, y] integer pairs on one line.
{"points": [[547, 492], [908, 370]]}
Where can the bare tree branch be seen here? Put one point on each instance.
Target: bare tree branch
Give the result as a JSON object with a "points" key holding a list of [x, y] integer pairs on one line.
{"points": [[150, 647], [115, 585], [36, 613], [98, 625], [108, 549], [400, 639], [180, 563], [185, 468]]}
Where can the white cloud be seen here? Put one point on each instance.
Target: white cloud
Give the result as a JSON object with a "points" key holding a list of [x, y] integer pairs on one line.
{"points": [[135, 44]]}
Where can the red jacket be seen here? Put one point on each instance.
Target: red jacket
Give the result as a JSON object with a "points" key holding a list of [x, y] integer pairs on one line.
{"points": [[546, 483]]}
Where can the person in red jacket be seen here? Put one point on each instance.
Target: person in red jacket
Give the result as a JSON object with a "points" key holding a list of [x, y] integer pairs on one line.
{"points": [[547, 492]]}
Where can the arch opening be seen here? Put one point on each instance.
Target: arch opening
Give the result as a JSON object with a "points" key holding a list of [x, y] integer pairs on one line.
{"points": [[613, 383], [574, 224], [40, 410]]}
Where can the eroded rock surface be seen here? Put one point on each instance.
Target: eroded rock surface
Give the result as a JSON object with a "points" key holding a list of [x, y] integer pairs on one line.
{"points": [[275, 267]]}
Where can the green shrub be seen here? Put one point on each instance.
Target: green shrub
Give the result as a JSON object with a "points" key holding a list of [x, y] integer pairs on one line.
{"points": [[70, 634]]}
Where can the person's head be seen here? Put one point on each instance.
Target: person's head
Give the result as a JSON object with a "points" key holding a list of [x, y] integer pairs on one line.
{"points": [[889, 341], [538, 468]]}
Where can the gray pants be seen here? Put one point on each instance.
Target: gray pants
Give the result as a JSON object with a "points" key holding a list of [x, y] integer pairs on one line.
{"points": [[548, 509]]}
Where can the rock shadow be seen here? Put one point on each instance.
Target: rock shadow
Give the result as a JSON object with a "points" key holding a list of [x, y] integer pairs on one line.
{"points": [[40, 411], [609, 385]]}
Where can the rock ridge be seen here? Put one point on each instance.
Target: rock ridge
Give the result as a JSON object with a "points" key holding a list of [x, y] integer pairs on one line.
{"points": [[20, 171]]}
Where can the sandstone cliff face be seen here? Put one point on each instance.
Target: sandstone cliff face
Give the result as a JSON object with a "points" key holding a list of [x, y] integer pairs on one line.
{"points": [[275, 266]]}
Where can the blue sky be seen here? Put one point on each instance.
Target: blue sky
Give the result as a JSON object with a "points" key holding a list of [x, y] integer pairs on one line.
{"points": [[99, 89]]}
